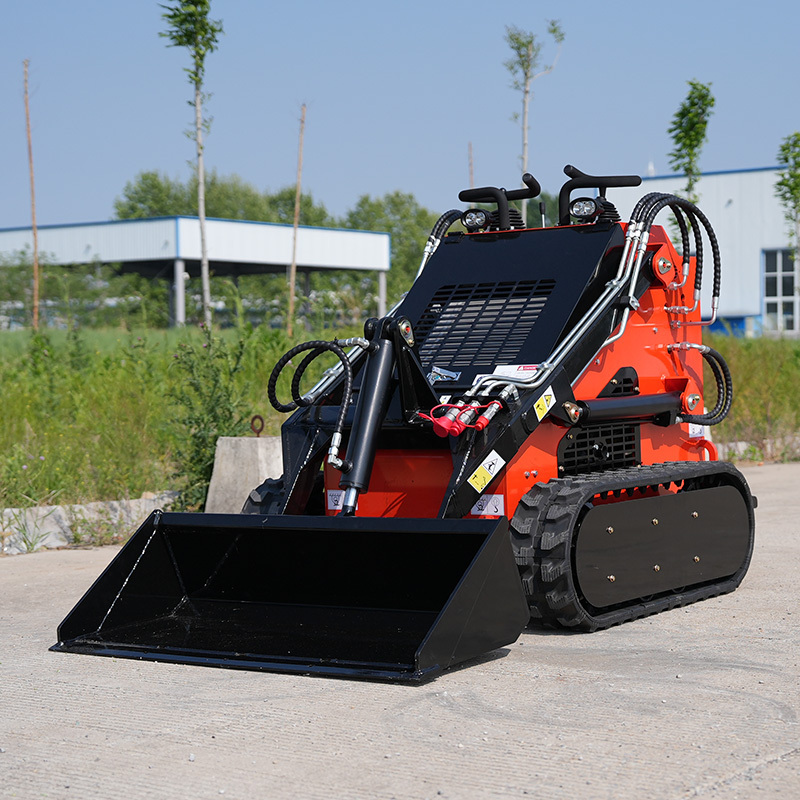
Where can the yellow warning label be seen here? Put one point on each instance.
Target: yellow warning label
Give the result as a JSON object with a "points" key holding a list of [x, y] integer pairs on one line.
{"points": [[544, 403], [479, 479], [489, 468]]}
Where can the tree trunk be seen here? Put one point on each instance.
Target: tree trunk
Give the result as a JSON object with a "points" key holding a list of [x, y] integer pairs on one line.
{"points": [[297, 196], [34, 229], [201, 207], [526, 97]]}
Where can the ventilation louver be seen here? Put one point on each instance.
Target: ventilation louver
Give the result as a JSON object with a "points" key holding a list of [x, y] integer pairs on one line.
{"points": [[599, 447], [480, 325]]}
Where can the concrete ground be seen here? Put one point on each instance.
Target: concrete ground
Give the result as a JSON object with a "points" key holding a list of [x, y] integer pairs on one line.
{"points": [[702, 701]]}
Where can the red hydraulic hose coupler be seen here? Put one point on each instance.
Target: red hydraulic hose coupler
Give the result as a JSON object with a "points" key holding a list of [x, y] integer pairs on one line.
{"points": [[460, 423], [443, 424], [485, 418], [494, 406]]}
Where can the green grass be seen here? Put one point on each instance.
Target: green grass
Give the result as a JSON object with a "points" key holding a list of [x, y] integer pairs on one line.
{"points": [[108, 414], [765, 415]]}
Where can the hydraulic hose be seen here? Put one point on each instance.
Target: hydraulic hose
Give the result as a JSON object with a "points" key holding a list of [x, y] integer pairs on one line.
{"points": [[695, 215], [437, 232], [722, 376], [444, 222], [317, 348]]}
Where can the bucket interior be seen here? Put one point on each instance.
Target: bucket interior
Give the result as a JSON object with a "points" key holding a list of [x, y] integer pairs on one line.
{"points": [[293, 590]]}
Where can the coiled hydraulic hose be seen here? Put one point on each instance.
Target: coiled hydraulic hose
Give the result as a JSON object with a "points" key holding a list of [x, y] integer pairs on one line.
{"points": [[316, 347], [695, 215], [722, 377]]}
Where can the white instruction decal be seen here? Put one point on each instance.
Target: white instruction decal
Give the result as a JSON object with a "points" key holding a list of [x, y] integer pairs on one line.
{"points": [[335, 498], [696, 431], [515, 370], [490, 505]]}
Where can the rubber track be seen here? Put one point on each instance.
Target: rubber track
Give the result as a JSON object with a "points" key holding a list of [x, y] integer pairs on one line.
{"points": [[542, 536]]}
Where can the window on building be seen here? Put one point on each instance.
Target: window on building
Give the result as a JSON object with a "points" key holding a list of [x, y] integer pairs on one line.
{"points": [[780, 305]]}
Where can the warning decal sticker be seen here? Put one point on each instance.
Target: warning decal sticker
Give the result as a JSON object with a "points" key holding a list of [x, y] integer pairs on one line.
{"points": [[490, 505], [489, 467], [335, 497], [544, 403]]}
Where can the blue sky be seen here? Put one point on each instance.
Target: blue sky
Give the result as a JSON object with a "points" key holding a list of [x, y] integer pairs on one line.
{"points": [[395, 92]]}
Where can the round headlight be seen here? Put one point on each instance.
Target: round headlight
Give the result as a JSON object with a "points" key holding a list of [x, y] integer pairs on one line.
{"points": [[475, 219], [584, 208]]}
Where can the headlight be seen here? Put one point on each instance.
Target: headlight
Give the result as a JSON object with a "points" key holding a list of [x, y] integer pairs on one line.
{"points": [[475, 219], [584, 208]]}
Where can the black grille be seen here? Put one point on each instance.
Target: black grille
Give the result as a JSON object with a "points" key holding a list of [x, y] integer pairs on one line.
{"points": [[599, 447], [480, 325]]}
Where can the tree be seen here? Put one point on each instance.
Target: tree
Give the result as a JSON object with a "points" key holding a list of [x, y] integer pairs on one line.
{"points": [[191, 28], [688, 132], [151, 194], [525, 59], [409, 224], [311, 213], [787, 187]]}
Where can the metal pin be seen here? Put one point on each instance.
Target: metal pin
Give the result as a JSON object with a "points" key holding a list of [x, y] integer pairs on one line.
{"points": [[611, 578], [609, 529], [654, 521], [696, 559], [656, 568], [695, 515]]}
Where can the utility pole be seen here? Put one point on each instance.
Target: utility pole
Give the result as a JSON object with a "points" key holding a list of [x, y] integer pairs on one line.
{"points": [[33, 205], [471, 169], [293, 267]]}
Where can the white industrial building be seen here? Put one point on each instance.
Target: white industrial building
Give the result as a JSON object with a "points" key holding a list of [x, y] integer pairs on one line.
{"points": [[169, 247], [759, 289]]}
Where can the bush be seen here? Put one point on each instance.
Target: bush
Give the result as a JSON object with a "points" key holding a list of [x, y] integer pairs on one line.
{"points": [[765, 415], [208, 403]]}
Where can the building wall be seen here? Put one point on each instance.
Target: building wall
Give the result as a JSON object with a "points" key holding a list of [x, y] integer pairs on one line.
{"points": [[139, 240], [232, 241]]}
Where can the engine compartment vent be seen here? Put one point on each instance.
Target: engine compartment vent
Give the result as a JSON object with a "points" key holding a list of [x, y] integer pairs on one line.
{"points": [[595, 448], [481, 324]]}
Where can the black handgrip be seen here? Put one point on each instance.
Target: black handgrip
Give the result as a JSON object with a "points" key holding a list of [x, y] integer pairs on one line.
{"points": [[488, 194], [491, 194], [581, 180], [534, 189]]}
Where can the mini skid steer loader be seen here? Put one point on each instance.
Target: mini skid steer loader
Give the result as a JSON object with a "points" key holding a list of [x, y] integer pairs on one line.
{"points": [[523, 437]]}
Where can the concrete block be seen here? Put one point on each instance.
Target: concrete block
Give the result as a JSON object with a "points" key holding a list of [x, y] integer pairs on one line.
{"points": [[240, 464], [27, 529]]}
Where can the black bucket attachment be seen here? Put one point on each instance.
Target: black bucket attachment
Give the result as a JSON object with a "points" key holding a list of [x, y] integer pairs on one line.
{"points": [[392, 599]]}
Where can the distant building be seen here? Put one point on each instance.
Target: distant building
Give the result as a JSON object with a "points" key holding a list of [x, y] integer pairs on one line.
{"points": [[169, 247], [759, 289]]}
